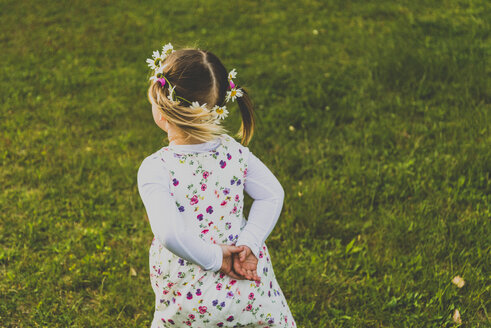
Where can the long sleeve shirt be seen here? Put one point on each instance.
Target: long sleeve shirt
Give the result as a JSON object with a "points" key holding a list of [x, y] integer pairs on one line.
{"points": [[163, 215]]}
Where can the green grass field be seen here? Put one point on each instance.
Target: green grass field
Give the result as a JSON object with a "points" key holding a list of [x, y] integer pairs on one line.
{"points": [[374, 116]]}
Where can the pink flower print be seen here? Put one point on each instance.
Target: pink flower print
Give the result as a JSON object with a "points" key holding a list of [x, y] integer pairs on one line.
{"points": [[198, 292], [219, 286], [231, 318], [203, 187], [251, 296], [191, 316], [165, 292], [206, 174], [200, 217], [220, 324], [170, 284], [194, 200], [234, 209], [223, 164], [230, 294], [188, 323], [210, 223], [209, 209], [228, 225], [226, 191], [222, 274], [205, 231], [224, 203], [258, 283], [229, 157], [237, 198], [245, 172], [175, 182], [248, 307], [202, 309], [189, 296], [171, 321], [260, 254], [232, 282], [270, 284]]}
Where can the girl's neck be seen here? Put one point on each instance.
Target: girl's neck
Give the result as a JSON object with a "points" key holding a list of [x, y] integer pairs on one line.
{"points": [[177, 140]]}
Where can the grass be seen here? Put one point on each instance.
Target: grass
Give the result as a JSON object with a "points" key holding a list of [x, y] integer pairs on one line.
{"points": [[374, 116]]}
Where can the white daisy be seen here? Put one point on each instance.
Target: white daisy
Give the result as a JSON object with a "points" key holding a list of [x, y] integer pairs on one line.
{"points": [[156, 60], [234, 93], [171, 95], [159, 73], [220, 112], [167, 50], [196, 105], [232, 74]]}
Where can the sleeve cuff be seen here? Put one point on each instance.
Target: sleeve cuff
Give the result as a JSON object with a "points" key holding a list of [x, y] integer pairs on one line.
{"points": [[247, 239], [218, 258]]}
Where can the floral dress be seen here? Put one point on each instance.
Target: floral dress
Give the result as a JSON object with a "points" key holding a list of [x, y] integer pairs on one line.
{"points": [[208, 191]]}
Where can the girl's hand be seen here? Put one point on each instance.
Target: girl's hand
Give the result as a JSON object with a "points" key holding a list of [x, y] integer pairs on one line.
{"points": [[228, 251], [245, 263]]}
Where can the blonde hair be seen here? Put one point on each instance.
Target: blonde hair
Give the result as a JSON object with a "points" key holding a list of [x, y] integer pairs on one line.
{"points": [[198, 75]]}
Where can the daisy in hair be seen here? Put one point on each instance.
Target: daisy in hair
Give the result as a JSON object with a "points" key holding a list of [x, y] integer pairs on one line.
{"points": [[196, 105], [234, 93], [156, 60], [167, 49], [171, 95], [220, 112], [159, 73]]}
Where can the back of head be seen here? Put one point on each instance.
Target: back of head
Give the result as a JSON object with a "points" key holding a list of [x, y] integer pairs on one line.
{"points": [[196, 76]]}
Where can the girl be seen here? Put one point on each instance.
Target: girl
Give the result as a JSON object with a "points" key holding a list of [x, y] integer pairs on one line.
{"points": [[209, 266]]}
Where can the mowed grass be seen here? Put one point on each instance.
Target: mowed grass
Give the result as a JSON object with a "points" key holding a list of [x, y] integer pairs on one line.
{"points": [[374, 116]]}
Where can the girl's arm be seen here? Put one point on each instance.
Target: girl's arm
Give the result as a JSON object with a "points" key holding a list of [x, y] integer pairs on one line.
{"points": [[268, 194], [165, 220]]}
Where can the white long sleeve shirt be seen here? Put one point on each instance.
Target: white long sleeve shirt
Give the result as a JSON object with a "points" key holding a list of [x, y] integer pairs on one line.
{"points": [[163, 215]]}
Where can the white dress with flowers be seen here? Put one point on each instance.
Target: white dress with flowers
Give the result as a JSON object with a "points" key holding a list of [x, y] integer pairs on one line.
{"points": [[194, 202]]}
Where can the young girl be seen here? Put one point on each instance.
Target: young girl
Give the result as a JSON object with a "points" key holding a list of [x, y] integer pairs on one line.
{"points": [[209, 266]]}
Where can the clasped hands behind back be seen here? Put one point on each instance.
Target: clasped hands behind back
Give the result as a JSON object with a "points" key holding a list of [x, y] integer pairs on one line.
{"points": [[239, 262]]}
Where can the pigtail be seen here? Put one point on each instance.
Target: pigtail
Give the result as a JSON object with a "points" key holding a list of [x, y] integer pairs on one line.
{"points": [[248, 120]]}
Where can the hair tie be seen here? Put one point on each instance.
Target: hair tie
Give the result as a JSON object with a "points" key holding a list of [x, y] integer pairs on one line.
{"points": [[162, 81]]}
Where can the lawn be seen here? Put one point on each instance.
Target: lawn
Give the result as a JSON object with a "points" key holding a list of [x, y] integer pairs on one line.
{"points": [[373, 115]]}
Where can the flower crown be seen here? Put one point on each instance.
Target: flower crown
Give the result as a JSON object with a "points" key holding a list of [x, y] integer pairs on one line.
{"points": [[156, 63]]}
